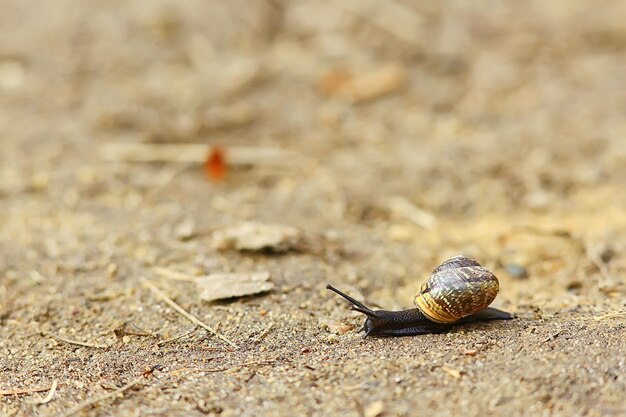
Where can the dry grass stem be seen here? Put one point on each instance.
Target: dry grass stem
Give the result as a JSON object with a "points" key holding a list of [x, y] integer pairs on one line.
{"points": [[193, 152], [185, 314], [19, 391], [227, 368], [180, 336], [610, 315], [174, 275], [95, 400], [76, 342], [50, 395], [264, 333]]}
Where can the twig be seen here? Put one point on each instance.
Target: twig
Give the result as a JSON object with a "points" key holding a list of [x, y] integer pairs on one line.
{"points": [[552, 336], [185, 314], [264, 333], [180, 336], [609, 315], [228, 368], [174, 275], [356, 387], [59, 338], [402, 207], [24, 390], [141, 331], [48, 397], [192, 152], [75, 342], [95, 400]]}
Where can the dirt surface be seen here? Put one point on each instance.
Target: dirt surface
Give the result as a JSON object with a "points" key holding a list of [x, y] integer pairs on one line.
{"points": [[414, 130]]}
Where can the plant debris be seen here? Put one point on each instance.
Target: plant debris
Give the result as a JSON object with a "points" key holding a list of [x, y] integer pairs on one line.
{"points": [[162, 296], [215, 166], [365, 86], [251, 236], [236, 284]]}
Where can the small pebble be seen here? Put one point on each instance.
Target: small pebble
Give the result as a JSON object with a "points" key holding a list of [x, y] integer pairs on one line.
{"points": [[516, 271], [111, 270], [607, 254], [374, 409], [574, 286]]}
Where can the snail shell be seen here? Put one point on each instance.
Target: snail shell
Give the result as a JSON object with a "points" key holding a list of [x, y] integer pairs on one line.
{"points": [[457, 288]]}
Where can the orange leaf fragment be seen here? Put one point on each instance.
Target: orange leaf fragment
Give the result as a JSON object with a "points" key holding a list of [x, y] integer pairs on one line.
{"points": [[215, 166]]}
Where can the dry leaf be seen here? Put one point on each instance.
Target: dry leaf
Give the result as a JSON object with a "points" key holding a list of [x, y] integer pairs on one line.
{"points": [[228, 285], [257, 237]]}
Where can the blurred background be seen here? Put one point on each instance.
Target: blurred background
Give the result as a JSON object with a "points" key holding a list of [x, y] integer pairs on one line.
{"points": [[459, 121], [392, 133]]}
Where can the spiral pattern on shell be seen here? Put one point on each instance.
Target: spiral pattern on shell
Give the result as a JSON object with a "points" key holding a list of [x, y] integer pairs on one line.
{"points": [[457, 288]]}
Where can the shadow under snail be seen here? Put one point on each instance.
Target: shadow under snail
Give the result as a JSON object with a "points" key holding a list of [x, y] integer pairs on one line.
{"points": [[458, 291]]}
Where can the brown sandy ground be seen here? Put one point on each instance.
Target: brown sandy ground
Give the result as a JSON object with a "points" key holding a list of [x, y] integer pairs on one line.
{"points": [[416, 130]]}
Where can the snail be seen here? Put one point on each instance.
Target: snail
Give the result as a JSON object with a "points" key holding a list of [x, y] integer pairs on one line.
{"points": [[458, 291]]}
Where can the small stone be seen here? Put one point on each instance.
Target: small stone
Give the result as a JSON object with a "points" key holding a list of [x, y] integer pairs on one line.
{"points": [[228, 285], [111, 270], [574, 286], [374, 409], [185, 230], [606, 255], [257, 237], [516, 271]]}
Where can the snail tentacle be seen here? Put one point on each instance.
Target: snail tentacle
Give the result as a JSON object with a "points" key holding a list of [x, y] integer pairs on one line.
{"points": [[356, 305]]}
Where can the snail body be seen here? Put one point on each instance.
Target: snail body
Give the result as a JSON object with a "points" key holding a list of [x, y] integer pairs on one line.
{"points": [[458, 291]]}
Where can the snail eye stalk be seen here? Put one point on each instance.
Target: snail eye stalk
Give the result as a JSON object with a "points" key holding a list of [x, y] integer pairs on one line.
{"points": [[356, 305]]}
